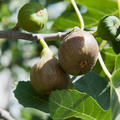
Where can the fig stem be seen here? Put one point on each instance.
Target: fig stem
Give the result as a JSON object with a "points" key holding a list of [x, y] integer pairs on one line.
{"points": [[118, 1], [16, 28], [43, 43], [102, 44], [78, 14], [104, 67]]}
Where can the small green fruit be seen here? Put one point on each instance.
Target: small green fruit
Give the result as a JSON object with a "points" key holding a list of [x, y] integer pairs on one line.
{"points": [[78, 52], [32, 17], [108, 28], [47, 74]]}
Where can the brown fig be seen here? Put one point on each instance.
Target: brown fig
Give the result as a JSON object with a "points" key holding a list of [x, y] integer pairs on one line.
{"points": [[78, 52], [47, 75]]}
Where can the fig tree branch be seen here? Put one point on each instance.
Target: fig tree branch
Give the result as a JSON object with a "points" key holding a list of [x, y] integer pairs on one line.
{"points": [[12, 34]]}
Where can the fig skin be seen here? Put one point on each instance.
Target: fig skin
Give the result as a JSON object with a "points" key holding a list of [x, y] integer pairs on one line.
{"points": [[32, 17], [47, 74], [78, 52], [108, 28]]}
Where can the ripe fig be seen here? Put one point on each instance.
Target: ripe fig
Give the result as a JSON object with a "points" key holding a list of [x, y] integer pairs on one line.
{"points": [[47, 74], [32, 17], [108, 28], [78, 52]]}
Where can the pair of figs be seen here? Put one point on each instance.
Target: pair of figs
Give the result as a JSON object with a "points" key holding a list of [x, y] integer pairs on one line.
{"points": [[109, 29], [77, 55]]}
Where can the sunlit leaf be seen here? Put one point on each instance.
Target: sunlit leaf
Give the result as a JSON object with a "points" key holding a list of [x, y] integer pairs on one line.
{"points": [[68, 103], [95, 86], [117, 62], [116, 95]]}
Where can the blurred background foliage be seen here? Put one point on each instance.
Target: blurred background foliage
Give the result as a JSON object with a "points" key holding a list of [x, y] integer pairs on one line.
{"points": [[18, 56]]}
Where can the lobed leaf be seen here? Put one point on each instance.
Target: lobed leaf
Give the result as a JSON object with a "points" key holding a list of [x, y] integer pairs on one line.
{"points": [[116, 79], [117, 62], [115, 104], [115, 101], [71, 103], [95, 86], [29, 98]]}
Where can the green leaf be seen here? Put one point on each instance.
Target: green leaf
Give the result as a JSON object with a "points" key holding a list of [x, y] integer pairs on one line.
{"points": [[95, 86], [5, 45], [29, 98], [16, 53], [116, 79], [116, 95], [68, 19], [4, 10], [33, 114], [115, 104], [108, 56], [71, 103], [95, 10], [74, 118], [117, 62]]}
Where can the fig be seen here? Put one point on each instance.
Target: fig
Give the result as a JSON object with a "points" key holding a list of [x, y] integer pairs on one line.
{"points": [[32, 17], [78, 52], [108, 28], [47, 75]]}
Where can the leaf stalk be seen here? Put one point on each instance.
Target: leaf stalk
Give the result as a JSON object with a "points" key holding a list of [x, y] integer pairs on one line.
{"points": [[78, 14]]}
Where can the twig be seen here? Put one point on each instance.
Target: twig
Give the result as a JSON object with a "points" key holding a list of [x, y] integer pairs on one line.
{"points": [[4, 115], [32, 37]]}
